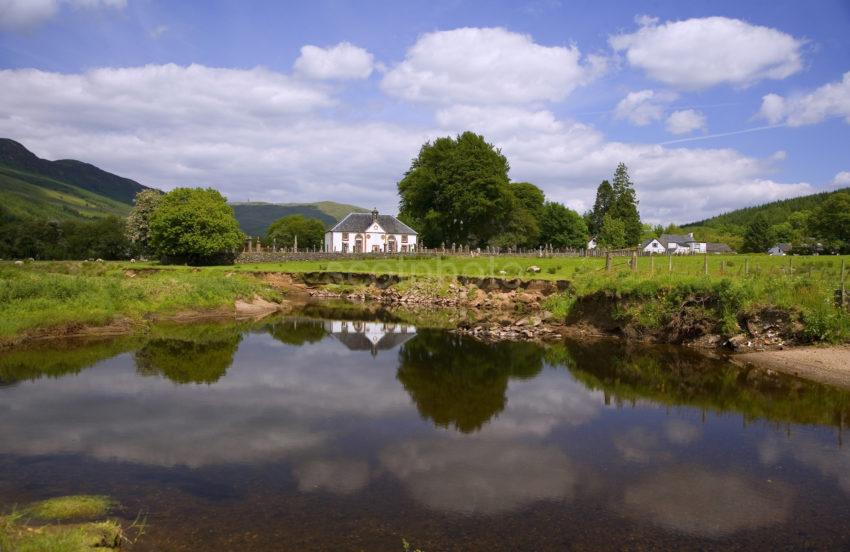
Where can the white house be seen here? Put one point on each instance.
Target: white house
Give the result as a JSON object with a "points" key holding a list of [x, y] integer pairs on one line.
{"points": [[653, 246], [370, 336], [682, 244], [591, 244], [780, 249], [370, 233]]}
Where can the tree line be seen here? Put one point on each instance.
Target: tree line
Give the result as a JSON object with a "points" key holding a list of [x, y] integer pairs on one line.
{"points": [[457, 191]]}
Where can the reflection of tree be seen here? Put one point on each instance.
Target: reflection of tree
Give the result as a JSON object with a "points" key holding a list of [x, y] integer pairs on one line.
{"points": [[58, 359], [677, 377], [298, 331], [460, 382], [190, 354]]}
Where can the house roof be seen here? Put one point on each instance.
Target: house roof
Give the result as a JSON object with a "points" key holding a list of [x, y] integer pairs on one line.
{"points": [[676, 238], [718, 248], [647, 242], [783, 247], [359, 222]]}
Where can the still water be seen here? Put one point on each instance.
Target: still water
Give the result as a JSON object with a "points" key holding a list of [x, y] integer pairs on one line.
{"points": [[318, 434]]}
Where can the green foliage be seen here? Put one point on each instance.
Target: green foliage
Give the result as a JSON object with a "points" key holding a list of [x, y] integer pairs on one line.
{"points": [[604, 200], [455, 190], [195, 226], [624, 206], [309, 232], [562, 227], [201, 355], [831, 221], [522, 228], [758, 238], [62, 240], [613, 233]]}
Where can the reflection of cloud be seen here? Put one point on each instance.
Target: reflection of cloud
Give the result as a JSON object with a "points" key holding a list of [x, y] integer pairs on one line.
{"points": [[827, 458], [639, 445], [266, 407], [708, 504], [681, 432], [483, 477], [335, 476], [536, 406]]}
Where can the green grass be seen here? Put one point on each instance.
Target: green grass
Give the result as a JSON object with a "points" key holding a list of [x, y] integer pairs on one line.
{"points": [[69, 507], [18, 531], [56, 294], [45, 294]]}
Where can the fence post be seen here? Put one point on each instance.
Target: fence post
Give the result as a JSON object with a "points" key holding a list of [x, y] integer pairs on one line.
{"points": [[670, 263], [705, 265], [651, 264], [607, 261], [843, 290], [634, 260], [746, 267]]}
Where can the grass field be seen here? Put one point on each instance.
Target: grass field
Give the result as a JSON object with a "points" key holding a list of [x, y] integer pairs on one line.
{"points": [[44, 294], [55, 294]]}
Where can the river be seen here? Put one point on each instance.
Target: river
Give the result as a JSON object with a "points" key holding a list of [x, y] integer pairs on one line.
{"points": [[302, 433]]}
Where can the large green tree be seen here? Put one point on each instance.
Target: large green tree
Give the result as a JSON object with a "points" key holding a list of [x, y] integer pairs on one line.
{"points": [[309, 231], [758, 237], [604, 201], [456, 191], [831, 222], [613, 233], [562, 227], [521, 227], [625, 205], [195, 226]]}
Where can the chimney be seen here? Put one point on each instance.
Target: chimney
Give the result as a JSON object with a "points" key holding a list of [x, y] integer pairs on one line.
{"points": [[375, 214]]}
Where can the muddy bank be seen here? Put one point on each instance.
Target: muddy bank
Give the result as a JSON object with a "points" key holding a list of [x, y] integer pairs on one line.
{"points": [[521, 309], [829, 365]]}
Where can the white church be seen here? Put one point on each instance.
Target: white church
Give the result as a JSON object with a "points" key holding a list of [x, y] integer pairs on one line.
{"points": [[370, 233]]}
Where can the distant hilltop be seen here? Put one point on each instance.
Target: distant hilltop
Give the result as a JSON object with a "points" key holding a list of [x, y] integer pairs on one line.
{"points": [[67, 189]]}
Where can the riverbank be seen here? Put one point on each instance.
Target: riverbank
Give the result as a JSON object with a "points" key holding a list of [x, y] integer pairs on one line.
{"points": [[69, 299], [829, 365], [749, 311]]}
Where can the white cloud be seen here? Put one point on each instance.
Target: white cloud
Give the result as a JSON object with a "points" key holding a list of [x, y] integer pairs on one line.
{"points": [[700, 53], [343, 61], [25, 14], [830, 100], [695, 501], [841, 179], [487, 66], [264, 135], [568, 160], [685, 121], [644, 106]]}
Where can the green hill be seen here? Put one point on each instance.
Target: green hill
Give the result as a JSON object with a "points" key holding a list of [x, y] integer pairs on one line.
{"points": [[776, 212], [27, 195], [255, 217], [81, 175]]}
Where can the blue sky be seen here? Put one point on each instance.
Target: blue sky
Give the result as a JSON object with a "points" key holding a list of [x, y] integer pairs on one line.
{"points": [[713, 105]]}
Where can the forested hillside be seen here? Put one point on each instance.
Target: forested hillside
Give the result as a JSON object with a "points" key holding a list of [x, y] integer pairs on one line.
{"points": [[255, 218]]}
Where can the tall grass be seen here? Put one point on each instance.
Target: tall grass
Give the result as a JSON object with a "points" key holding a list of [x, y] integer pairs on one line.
{"points": [[57, 294]]}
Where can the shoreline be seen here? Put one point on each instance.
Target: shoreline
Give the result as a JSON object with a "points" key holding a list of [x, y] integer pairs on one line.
{"points": [[828, 364]]}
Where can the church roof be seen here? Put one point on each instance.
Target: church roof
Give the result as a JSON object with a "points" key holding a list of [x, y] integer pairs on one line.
{"points": [[359, 222]]}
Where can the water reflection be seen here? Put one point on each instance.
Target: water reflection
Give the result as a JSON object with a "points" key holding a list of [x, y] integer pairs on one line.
{"points": [[459, 382], [480, 476], [190, 354], [295, 414], [707, 503], [358, 335]]}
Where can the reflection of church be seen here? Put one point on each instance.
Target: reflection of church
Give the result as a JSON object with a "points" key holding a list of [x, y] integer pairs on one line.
{"points": [[370, 336]]}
